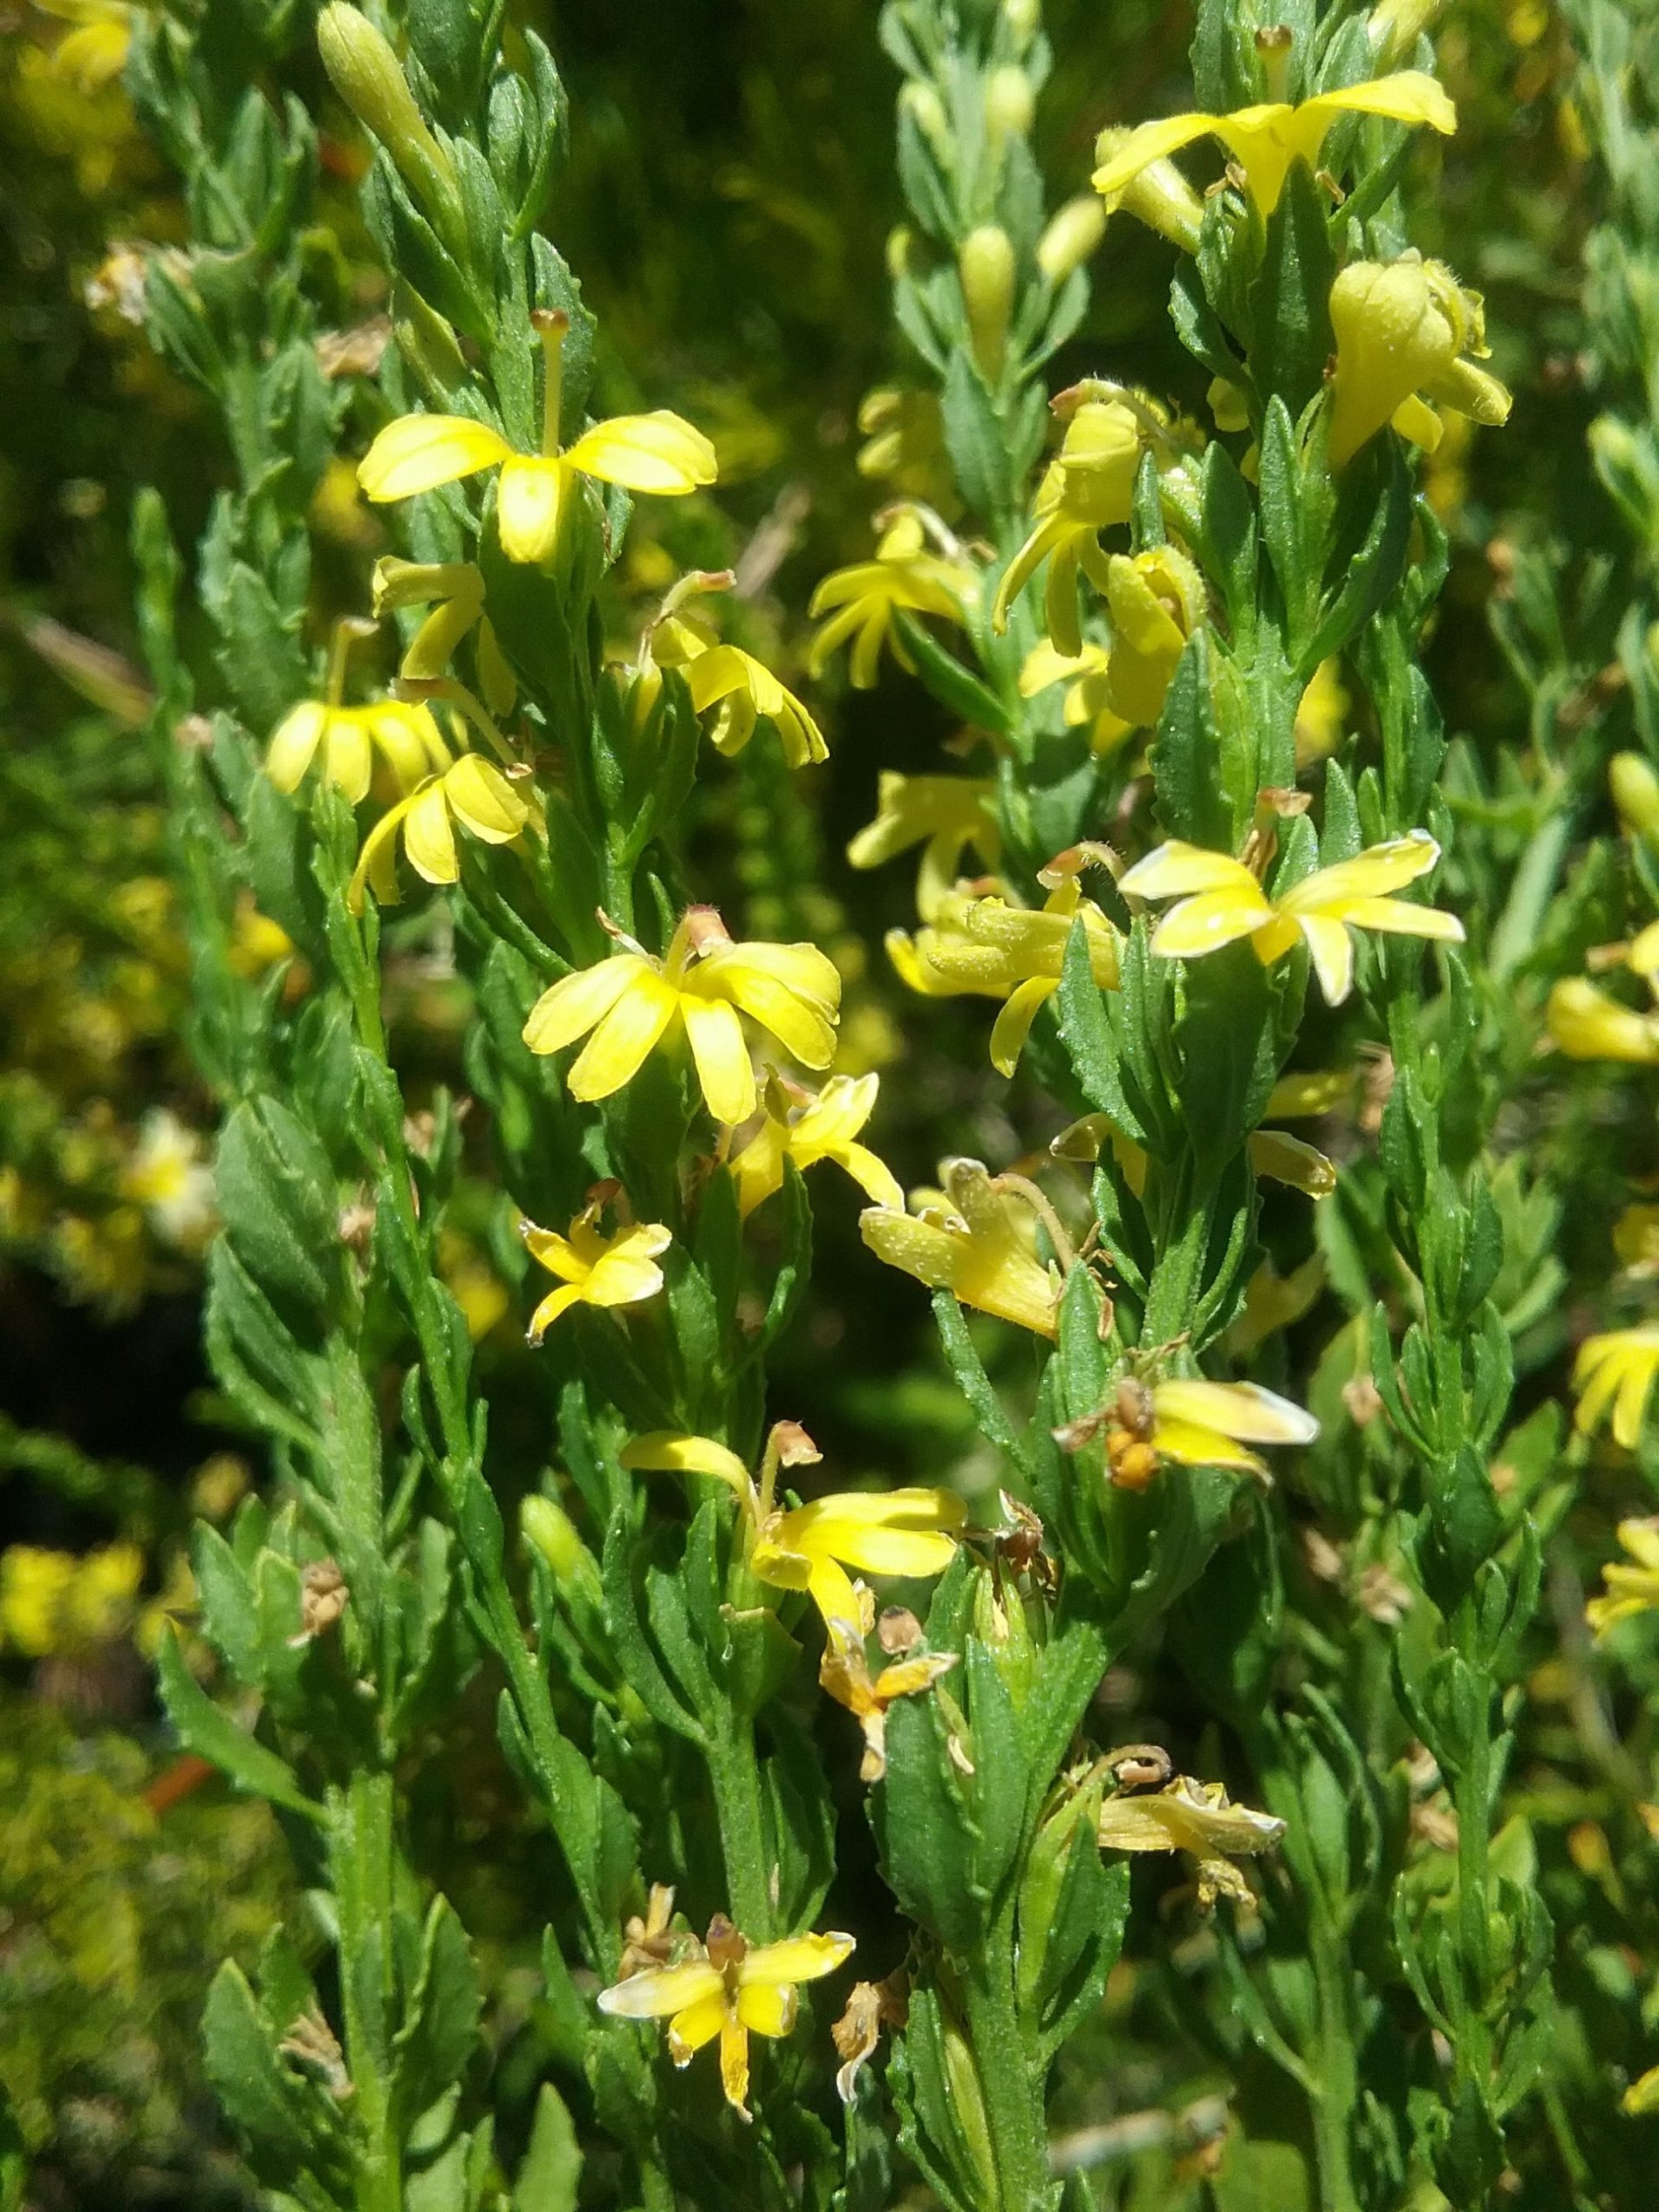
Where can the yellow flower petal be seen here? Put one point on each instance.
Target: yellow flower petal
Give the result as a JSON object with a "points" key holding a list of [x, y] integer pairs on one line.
{"points": [[293, 743], [482, 800], [529, 503], [418, 452], [724, 1070], [658, 453], [427, 838], [661, 1990], [699, 2024], [1176, 870], [797, 1959], [575, 1003], [1244, 1410], [624, 1039], [767, 2008], [663, 1452]]}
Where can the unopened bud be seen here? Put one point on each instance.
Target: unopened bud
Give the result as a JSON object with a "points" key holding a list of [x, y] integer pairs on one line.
{"points": [[1022, 18], [900, 249], [369, 78], [550, 1531], [926, 110], [1396, 26], [1010, 103], [1072, 235], [1635, 794], [1159, 196], [985, 264]]}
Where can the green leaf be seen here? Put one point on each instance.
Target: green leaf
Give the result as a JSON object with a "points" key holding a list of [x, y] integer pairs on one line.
{"points": [[440, 2027], [201, 1728], [951, 684], [973, 439], [550, 2175], [263, 2099]]}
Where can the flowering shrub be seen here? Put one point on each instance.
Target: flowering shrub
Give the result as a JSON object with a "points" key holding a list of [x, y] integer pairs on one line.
{"points": [[683, 1812]]}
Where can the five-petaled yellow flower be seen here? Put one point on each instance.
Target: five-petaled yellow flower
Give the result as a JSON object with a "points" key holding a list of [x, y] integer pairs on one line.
{"points": [[730, 1988], [1631, 1589], [1012, 953], [845, 1672], [473, 792], [1196, 1817], [1220, 901], [1618, 1368], [944, 814], [658, 453], [805, 1129], [1266, 139], [631, 1001], [1404, 331], [978, 1245], [908, 1532], [595, 1270], [1192, 1421], [1088, 487], [860, 601], [738, 690]]}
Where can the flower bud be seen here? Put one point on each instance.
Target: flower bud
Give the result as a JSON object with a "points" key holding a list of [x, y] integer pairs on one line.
{"points": [[1010, 103], [1587, 1025], [1073, 233], [985, 264], [926, 109], [1635, 794], [369, 78], [550, 1532], [1396, 26], [1160, 196], [1023, 18]]}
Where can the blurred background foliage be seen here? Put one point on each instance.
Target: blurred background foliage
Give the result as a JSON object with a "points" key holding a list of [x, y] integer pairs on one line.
{"points": [[727, 209]]}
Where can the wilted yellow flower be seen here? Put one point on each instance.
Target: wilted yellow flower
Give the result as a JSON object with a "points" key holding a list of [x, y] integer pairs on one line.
{"points": [[472, 791], [845, 1672], [804, 1128], [860, 601], [1264, 140], [402, 731], [1631, 1589], [1220, 901], [455, 591], [987, 947], [1586, 1024], [1196, 1817], [945, 815], [1405, 329], [658, 453], [169, 1177], [977, 1245], [740, 689], [1088, 697], [1194, 1422], [908, 1532], [1618, 1368], [595, 1270], [1089, 486], [729, 1988], [631, 1001], [1320, 715]]}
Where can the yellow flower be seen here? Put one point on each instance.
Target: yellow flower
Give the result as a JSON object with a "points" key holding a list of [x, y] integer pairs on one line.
{"points": [[1266, 139], [94, 52], [53, 1601], [740, 689], [1088, 692], [403, 732], [945, 815], [1014, 953], [1196, 1817], [1618, 1367], [729, 1988], [473, 792], [862, 601], [908, 1532], [1585, 1024], [1192, 1421], [1089, 486], [845, 1672], [1630, 1590], [1155, 600], [170, 1177], [631, 1001], [905, 446], [804, 1129], [977, 1245], [658, 453], [1220, 901], [1404, 328], [595, 1270], [1320, 717]]}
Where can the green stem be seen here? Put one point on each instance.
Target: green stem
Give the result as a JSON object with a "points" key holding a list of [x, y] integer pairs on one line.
{"points": [[734, 1774], [1011, 2085], [362, 1866], [1332, 2109]]}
